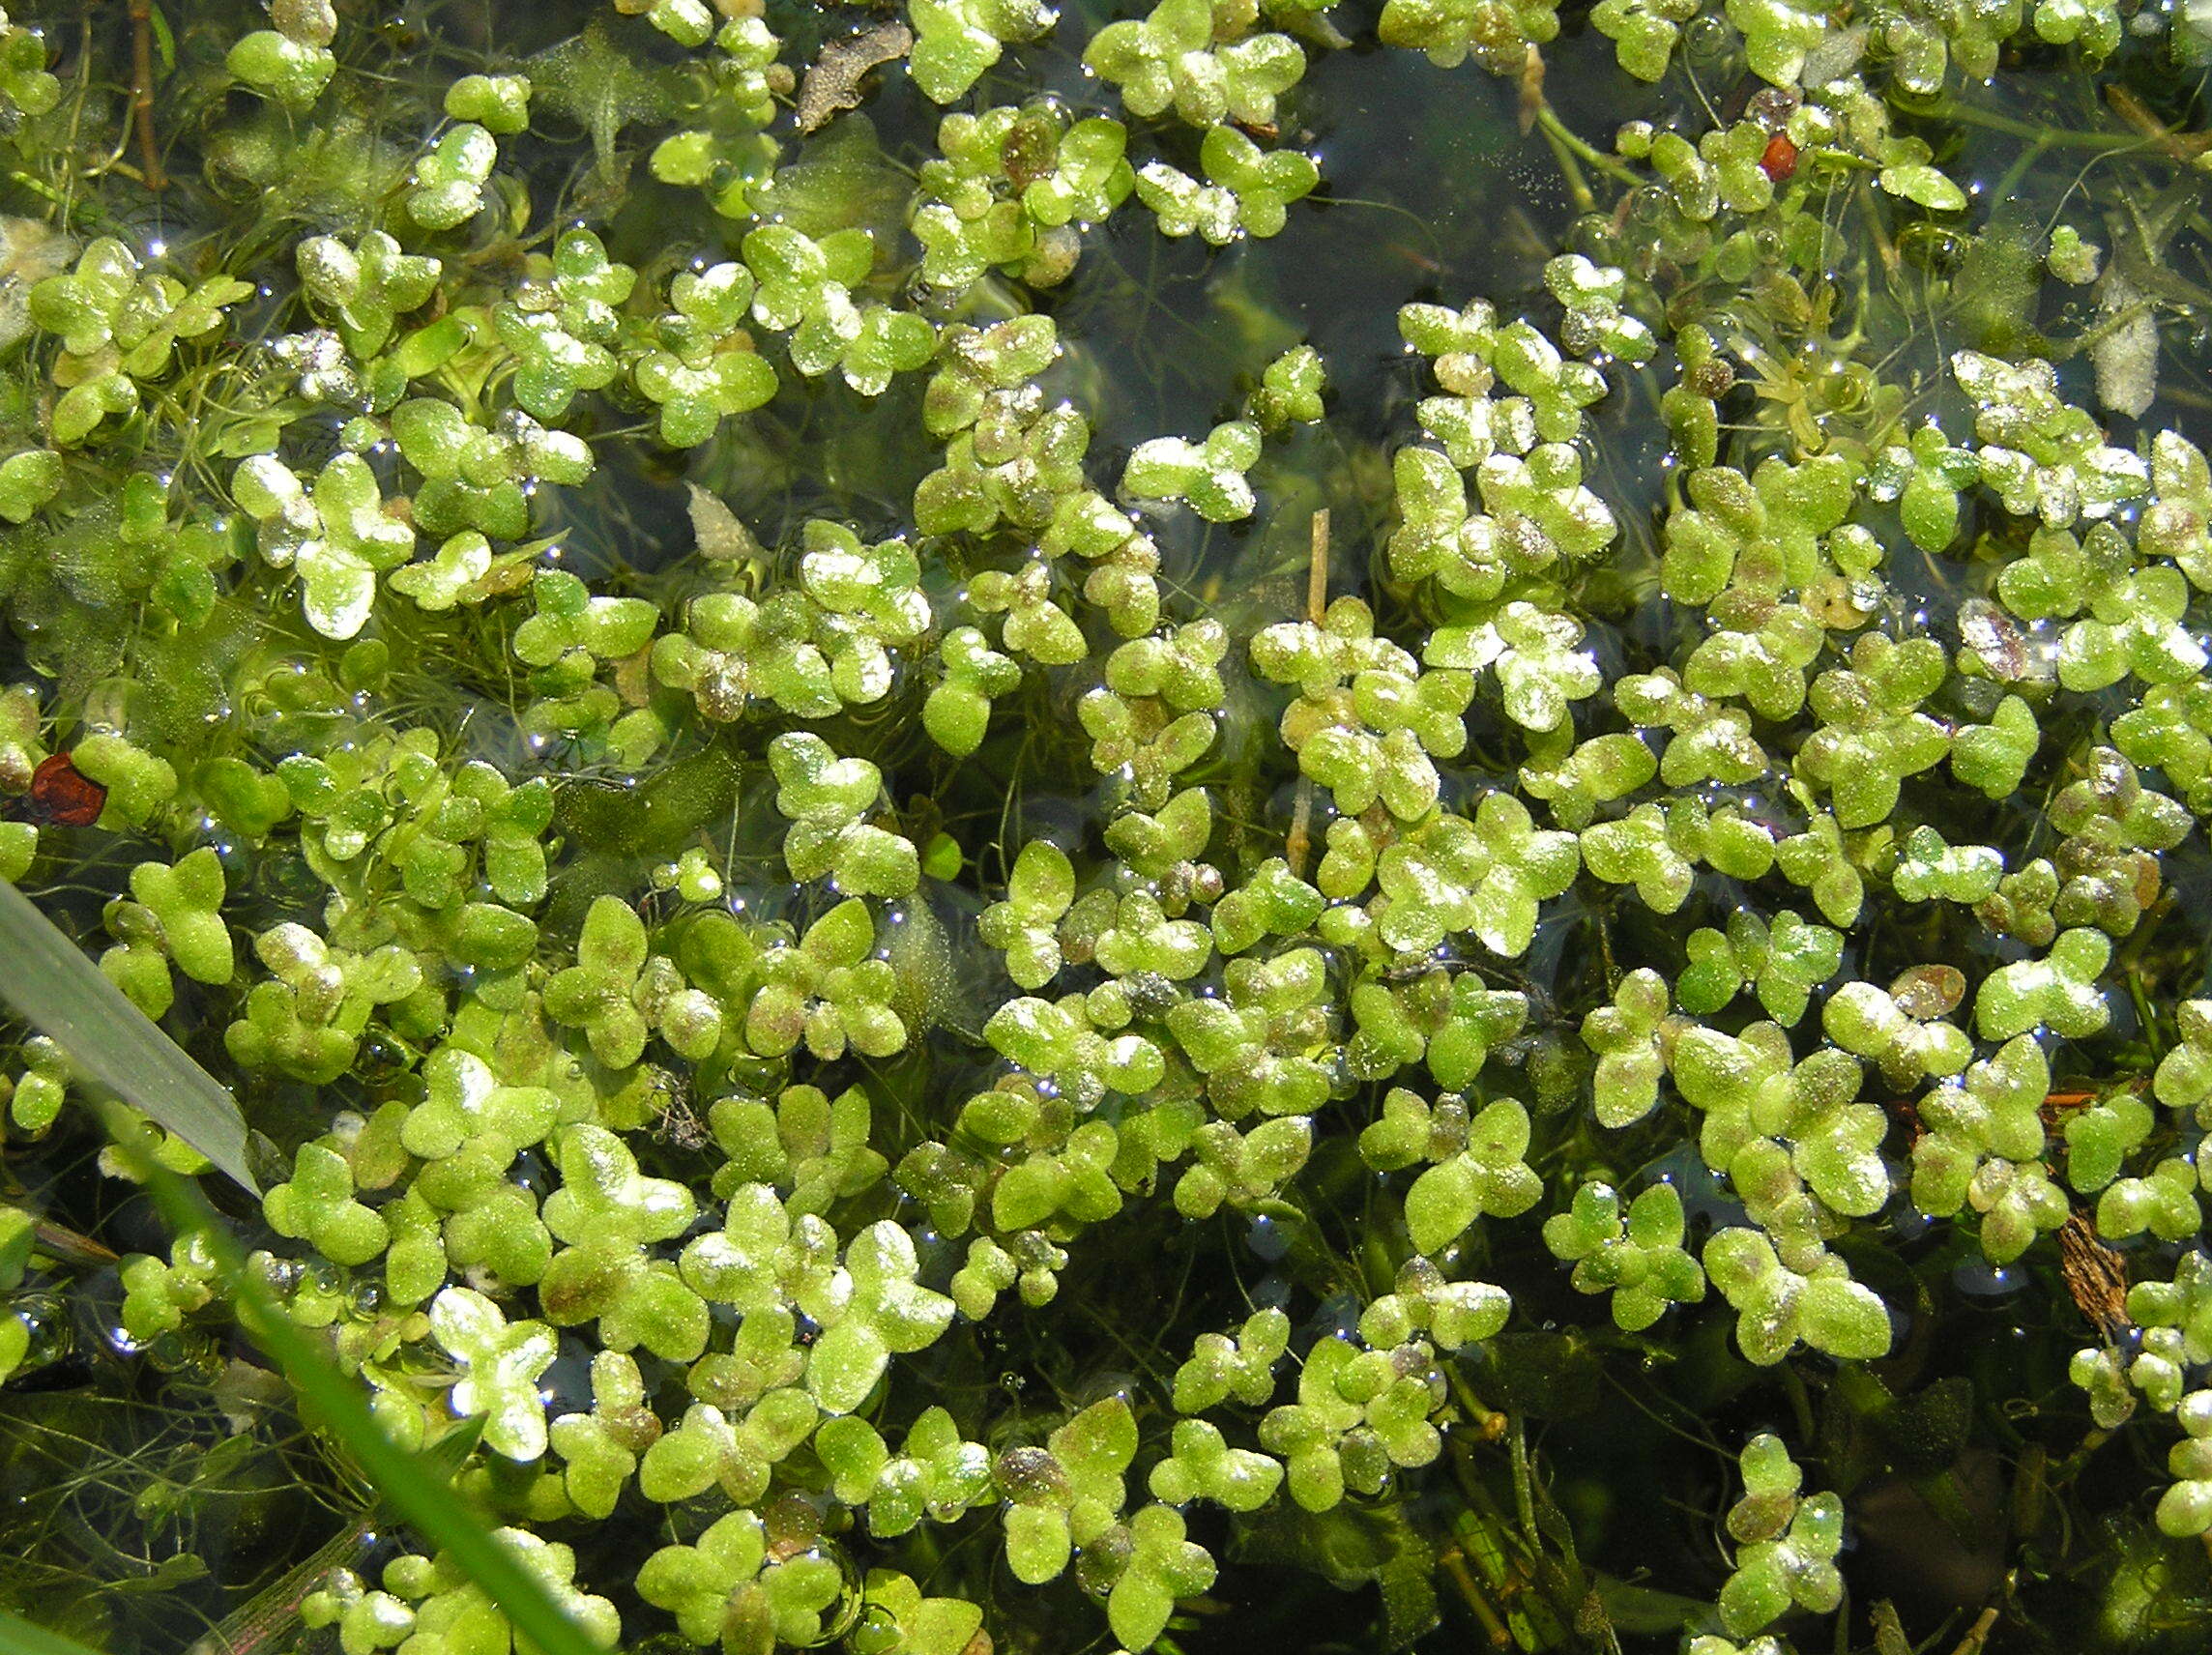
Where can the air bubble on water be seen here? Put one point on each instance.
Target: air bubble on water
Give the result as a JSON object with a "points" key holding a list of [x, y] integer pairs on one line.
{"points": [[1985, 1279]]}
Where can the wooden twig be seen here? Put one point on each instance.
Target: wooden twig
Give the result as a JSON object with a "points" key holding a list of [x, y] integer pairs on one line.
{"points": [[273, 1613], [1301, 839], [69, 1246], [142, 92], [1316, 569], [1978, 1633], [1454, 1564], [2183, 147]]}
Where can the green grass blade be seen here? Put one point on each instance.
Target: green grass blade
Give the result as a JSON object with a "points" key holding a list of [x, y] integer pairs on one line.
{"points": [[51, 983], [413, 1486], [21, 1637]]}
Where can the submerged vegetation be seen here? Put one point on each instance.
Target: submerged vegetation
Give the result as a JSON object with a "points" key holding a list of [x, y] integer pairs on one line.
{"points": [[1261, 824]]}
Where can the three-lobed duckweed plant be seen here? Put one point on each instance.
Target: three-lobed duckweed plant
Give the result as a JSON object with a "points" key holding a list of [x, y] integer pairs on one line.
{"points": [[960, 861]]}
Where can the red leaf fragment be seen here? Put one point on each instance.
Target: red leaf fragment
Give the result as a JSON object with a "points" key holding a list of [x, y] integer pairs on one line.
{"points": [[62, 796]]}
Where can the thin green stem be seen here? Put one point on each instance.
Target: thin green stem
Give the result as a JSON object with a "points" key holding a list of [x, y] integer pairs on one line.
{"points": [[274, 1612], [2057, 137], [1562, 136]]}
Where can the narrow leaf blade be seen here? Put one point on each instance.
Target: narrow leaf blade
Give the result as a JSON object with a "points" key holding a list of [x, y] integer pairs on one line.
{"points": [[53, 984]]}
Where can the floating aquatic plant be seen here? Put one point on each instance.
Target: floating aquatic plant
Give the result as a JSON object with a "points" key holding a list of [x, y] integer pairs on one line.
{"points": [[1107, 948]]}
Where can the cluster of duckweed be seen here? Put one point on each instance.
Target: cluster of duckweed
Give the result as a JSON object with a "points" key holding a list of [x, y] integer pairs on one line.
{"points": [[896, 1003]]}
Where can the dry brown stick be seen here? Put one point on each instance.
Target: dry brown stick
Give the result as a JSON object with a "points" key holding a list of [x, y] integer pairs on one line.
{"points": [[1978, 1633], [67, 1245], [142, 91], [1454, 1564], [1301, 839], [1316, 569], [2183, 147]]}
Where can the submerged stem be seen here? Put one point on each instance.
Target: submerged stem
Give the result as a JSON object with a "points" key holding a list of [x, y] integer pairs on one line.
{"points": [[1562, 136], [275, 1611], [1300, 840]]}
